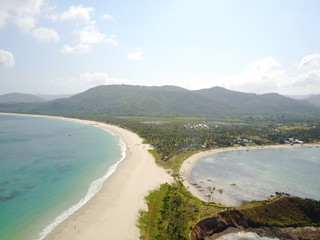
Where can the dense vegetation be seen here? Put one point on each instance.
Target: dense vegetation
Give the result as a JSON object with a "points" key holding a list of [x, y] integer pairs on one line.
{"points": [[172, 137]]}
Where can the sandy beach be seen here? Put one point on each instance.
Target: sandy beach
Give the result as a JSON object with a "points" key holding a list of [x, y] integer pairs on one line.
{"points": [[189, 163], [112, 213]]}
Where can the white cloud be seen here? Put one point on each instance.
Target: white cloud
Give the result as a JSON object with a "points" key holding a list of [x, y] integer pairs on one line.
{"points": [[262, 75], [74, 13], [86, 81], [100, 79], [305, 83], [87, 36], [267, 75], [25, 24], [24, 14], [87, 32], [135, 56], [6, 59], [90, 35], [78, 49], [3, 18], [264, 65], [310, 61], [112, 40], [45, 35], [18, 11], [107, 17]]}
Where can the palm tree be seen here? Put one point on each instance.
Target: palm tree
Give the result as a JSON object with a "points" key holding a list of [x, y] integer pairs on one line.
{"points": [[220, 191], [212, 192]]}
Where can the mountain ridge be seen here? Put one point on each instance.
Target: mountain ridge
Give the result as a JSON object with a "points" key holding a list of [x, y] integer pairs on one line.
{"points": [[314, 99], [20, 97], [170, 101]]}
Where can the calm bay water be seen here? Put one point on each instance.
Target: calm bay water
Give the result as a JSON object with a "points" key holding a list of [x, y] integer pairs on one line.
{"points": [[49, 168], [257, 174]]}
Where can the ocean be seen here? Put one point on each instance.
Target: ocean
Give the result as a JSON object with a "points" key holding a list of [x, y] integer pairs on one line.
{"points": [[49, 168], [258, 174]]}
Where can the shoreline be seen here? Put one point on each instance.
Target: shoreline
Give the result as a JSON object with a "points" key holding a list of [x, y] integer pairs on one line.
{"points": [[188, 164], [112, 212]]}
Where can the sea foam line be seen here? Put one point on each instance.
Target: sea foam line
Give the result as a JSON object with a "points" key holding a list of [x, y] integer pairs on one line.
{"points": [[94, 188], [244, 235]]}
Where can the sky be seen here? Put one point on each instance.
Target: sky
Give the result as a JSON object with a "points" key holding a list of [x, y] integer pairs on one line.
{"points": [[67, 47]]}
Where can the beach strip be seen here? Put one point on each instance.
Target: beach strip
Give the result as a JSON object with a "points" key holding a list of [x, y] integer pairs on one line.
{"points": [[112, 213], [187, 165]]}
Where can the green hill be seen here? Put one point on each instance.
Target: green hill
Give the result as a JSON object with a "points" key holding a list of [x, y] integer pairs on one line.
{"points": [[19, 97], [123, 100], [315, 99], [250, 103], [169, 101]]}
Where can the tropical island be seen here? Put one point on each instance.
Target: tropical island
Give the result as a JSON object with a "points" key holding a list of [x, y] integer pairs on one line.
{"points": [[178, 123]]}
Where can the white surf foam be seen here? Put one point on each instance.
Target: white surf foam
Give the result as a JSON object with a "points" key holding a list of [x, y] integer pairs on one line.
{"points": [[94, 188], [244, 236]]}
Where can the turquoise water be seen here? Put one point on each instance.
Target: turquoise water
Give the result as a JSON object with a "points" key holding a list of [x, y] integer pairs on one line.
{"points": [[258, 174], [49, 168]]}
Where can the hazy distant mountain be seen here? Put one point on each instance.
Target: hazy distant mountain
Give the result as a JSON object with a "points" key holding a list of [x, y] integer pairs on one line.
{"points": [[54, 97], [170, 101], [251, 103], [19, 97], [315, 99], [300, 97]]}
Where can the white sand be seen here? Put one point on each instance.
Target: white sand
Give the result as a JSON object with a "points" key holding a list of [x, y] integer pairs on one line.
{"points": [[189, 163], [112, 213]]}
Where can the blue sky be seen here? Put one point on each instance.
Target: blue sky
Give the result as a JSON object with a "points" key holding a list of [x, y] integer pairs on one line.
{"points": [[56, 46]]}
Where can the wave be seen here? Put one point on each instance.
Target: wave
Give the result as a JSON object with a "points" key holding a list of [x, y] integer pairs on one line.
{"points": [[94, 188], [244, 236]]}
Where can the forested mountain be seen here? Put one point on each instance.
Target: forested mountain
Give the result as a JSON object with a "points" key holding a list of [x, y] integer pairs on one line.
{"points": [[315, 99], [19, 97], [123, 100], [171, 101], [255, 103]]}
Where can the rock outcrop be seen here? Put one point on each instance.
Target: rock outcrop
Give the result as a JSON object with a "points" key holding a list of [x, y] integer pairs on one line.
{"points": [[285, 217]]}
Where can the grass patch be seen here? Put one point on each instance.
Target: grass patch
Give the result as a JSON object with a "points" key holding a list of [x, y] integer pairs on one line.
{"points": [[174, 164], [172, 212], [284, 212], [155, 154]]}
